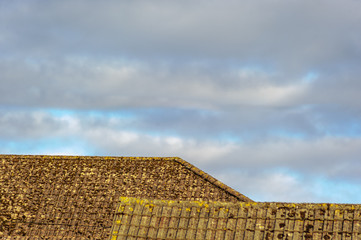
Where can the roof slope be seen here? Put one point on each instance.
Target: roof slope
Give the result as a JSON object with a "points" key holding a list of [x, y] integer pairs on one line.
{"points": [[157, 219], [65, 196]]}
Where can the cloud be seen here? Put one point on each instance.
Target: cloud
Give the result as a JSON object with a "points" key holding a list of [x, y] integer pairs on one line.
{"points": [[179, 54], [329, 156], [114, 84], [91, 84], [286, 186], [289, 34], [24, 125]]}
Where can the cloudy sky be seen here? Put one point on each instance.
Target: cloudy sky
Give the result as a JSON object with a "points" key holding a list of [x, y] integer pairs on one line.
{"points": [[263, 95]]}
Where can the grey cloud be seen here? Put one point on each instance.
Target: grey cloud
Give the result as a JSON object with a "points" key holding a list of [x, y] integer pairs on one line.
{"points": [[25, 125], [284, 186], [339, 87], [88, 83], [330, 157], [265, 185], [179, 54], [250, 123], [187, 100], [285, 34]]}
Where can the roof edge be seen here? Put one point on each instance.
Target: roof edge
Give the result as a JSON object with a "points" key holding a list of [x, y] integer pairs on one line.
{"points": [[95, 157], [212, 180]]}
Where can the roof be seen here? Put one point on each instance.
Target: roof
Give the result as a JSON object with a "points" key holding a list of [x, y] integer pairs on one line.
{"points": [[76, 196], [160, 219], [72, 197]]}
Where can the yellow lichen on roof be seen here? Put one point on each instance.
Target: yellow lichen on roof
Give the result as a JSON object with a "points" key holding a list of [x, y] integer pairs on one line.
{"points": [[242, 220]]}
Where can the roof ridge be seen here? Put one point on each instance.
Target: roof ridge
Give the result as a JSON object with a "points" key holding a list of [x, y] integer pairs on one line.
{"points": [[212, 180], [207, 203], [72, 157]]}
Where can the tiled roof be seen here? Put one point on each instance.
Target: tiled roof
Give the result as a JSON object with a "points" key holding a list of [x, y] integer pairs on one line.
{"points": [[65, 197], [76, 197], [158, 219]]}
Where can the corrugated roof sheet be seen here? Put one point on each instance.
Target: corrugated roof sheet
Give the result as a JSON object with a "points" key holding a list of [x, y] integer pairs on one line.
{"points": [[159, 219], [71, 196]]}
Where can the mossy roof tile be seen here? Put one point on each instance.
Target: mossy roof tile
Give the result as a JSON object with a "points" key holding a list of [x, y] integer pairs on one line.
{"points": [[159, 219], [72, 197], [75, 196]]}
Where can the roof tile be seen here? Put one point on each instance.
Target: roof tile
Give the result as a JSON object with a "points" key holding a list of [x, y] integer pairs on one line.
{"points": [[76, 196], [225, 220]]}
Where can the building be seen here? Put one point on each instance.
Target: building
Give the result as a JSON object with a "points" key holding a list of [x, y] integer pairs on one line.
{"points": [[73, 197]]}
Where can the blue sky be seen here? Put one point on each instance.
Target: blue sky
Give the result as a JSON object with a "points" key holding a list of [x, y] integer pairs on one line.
{"points": [[263, 95]]}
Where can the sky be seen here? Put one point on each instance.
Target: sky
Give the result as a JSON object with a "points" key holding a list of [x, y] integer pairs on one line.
{"points": [[262, 95]]}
